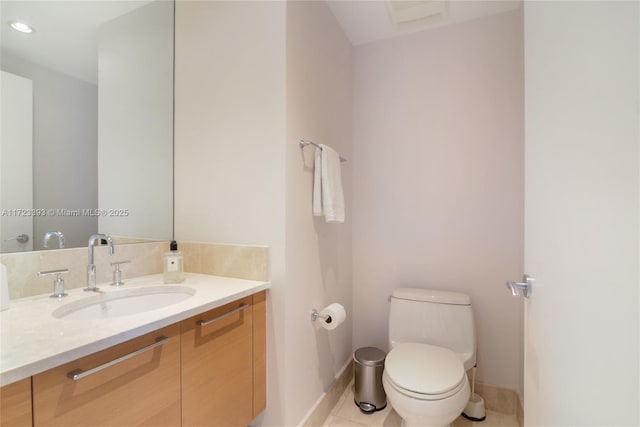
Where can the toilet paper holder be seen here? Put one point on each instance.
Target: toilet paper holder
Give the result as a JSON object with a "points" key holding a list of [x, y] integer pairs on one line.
{"points": [[315, 314]]}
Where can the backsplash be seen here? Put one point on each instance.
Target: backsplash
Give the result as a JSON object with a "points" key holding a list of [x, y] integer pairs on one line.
{"points": [[239, 261], [23, 267], [244, 262]]}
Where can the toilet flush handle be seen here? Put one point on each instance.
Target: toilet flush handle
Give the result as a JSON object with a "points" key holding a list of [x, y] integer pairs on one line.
{"points": [[525, 285]]}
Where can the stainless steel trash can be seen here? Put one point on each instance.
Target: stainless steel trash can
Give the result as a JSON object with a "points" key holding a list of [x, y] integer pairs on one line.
{"points": [[369, 393]]}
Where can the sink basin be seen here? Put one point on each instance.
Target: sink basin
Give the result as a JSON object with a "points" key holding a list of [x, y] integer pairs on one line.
{"points": [[124, 302]]}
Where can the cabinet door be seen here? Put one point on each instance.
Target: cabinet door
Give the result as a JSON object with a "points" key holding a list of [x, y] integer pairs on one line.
{"points": [[217, 373], [136, 383], [15, 404]]}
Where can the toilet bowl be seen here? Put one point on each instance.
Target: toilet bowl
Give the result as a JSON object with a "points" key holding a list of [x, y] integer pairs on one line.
{"points": [[433, 343], [426, 385]]}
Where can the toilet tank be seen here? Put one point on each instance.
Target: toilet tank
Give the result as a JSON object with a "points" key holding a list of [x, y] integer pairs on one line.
{"points": [[433, 317]]}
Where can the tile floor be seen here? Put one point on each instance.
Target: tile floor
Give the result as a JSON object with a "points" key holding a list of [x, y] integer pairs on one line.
{"points": [[347, 414]]}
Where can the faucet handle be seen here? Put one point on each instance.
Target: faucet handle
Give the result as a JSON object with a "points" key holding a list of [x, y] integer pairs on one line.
{"points": [[120, 262], [117, 273], [58, 282], [50, 272]]}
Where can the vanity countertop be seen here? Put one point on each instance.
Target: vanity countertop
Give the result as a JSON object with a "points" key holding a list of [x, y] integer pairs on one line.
{"points": [[33, 340]]}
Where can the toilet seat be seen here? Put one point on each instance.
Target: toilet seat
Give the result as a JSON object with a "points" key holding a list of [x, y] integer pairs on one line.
{"points": [[424, 371]]}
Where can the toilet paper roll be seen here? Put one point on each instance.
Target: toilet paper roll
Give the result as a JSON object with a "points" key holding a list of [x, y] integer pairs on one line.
{"points": [[336, 315]]}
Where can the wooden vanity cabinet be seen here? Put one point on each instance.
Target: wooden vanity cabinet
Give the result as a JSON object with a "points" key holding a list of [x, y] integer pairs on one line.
{"points": [[15, 404], [259, 352], [217, 366], [138, 385], [209, 370]]}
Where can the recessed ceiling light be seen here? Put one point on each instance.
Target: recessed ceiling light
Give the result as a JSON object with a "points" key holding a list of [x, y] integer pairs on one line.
{"points": [[21, 26]]}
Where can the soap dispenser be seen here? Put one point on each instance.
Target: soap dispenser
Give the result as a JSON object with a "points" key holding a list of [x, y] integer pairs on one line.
{"points": [[173, 265]]}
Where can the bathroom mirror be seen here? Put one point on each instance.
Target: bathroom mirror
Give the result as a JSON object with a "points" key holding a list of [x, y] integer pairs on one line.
{"points": [[87, 122]]}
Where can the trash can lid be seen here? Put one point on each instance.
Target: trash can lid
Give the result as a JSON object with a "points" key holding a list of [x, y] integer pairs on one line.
{"points": [[369, 356]]}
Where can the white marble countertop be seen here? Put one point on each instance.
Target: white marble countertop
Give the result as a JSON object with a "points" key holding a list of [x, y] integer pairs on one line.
{"points": [[33, 340]]}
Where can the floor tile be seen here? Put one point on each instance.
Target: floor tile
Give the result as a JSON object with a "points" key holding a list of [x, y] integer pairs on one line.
{"points": [[347, 414], [350, 411], [497, 419], [334, 421]]}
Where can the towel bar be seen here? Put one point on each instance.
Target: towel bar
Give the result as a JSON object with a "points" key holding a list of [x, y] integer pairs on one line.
{"points": [[304, 143]]}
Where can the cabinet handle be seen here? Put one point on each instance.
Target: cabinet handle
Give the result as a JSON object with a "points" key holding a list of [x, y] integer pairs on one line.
{"points": [[222, 316], [79, 373]]}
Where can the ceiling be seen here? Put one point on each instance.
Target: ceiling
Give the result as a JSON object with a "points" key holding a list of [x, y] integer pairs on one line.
{"points": [[365, 21], [66, 32]]}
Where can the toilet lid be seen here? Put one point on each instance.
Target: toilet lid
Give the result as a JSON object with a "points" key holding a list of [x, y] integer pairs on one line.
{"points": [[424, 368]]}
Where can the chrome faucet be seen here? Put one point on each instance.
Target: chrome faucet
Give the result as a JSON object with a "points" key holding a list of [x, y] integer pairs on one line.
{"points": [[48, 235], [91, 268]]}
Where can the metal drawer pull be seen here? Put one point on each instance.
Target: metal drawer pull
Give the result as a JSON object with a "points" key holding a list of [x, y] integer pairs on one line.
{"points": [[79, 373], [222, 316]]}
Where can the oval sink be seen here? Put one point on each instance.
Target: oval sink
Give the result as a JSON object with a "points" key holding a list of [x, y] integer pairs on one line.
{"points": [[123, 303]]}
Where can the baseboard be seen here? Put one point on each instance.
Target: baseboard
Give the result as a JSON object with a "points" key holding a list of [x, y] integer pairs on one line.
{"points": [[318, 414]]}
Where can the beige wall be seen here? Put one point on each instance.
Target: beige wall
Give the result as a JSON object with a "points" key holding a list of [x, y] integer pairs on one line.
{"points": [[251, 79], [229, 144], [438, 180], [230, 121], [318, 260]]}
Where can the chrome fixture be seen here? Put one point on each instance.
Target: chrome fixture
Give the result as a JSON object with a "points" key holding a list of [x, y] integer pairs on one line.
{"points": [[315, 314], [304, 143], [91, 268], [58, 283], [20, 238], [222, 316], [525, 285], [58, 234], [117, 273], [79, 373]]}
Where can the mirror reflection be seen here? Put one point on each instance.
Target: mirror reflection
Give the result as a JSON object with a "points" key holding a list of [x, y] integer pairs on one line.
{"points": [[87, 122]]}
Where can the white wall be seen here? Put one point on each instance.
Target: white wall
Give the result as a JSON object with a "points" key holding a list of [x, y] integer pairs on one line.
{"points": [[319, 108], [65, 151], [438, 180], [583, 213], [135, 132], [230, 145]]}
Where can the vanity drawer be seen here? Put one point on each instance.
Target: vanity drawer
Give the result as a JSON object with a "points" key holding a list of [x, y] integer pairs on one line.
{"points": [[136, 383]]}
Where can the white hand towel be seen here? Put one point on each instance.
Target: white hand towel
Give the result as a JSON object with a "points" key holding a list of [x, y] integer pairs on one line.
{"points": [[332, 195], [317, 184]]}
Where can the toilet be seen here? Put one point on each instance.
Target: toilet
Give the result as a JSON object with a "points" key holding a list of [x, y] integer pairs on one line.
{"points": [[432, 344]]}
